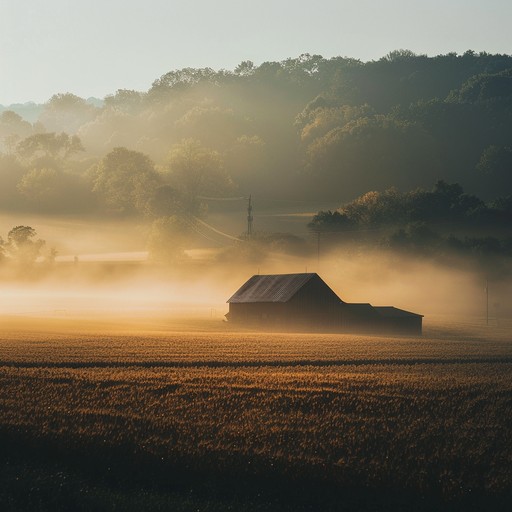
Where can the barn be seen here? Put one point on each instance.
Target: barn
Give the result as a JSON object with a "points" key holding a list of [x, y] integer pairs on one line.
{"points": [[306, 302]]}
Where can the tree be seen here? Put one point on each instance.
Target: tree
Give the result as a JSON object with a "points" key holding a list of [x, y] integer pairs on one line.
{"points": [[12, 129], [495, 167], [54, 190], [40, 184], [373, 149], [49, 146], [11, 172], [125, 180], [398, 55], [182, 79], [166, 201], [196, 171], [417, 237], [485, 87], [22, 246], [320, 121], [114, 127], [125, 100], [331, 221], [67, 112], [213, 126], [245, 68], [166, 240]]}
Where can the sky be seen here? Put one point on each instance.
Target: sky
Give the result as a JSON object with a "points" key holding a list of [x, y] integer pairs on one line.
{"points": [[94, 47]]}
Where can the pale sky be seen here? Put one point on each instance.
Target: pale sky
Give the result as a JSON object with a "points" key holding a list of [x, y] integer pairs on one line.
{"points": [[94, 47]]}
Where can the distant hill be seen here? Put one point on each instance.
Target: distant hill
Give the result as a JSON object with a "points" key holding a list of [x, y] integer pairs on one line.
{"points": [[97, 102], [31, 111]]}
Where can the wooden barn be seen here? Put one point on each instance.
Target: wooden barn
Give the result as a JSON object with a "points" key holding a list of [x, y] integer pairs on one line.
{"points": [[306, 302]]}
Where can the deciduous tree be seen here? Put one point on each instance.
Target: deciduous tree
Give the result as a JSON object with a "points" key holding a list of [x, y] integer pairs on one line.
{"points": [[22, 246], [196, 172], [125, 180]]}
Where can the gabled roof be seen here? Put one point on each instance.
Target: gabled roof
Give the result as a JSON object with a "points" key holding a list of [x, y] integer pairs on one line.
{"points": [[392, 312], [272, 288]]}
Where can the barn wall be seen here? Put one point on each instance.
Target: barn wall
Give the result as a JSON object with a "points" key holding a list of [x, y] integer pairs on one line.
{"points": [[316, 306], [257, 312], [360, 320]]}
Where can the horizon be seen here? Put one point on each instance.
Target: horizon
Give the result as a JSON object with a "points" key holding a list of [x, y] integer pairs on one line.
{"points": [[92, 98], [88, 51]]}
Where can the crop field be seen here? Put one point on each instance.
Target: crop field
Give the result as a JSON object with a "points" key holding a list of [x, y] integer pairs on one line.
{"points": [[199, 417]]}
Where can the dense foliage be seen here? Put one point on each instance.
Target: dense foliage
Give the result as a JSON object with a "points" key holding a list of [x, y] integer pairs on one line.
{"points": [[429, 221], [307, 126]]}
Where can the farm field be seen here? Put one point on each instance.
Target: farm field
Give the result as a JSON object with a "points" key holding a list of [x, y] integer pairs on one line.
{"points": [[156, 415]]}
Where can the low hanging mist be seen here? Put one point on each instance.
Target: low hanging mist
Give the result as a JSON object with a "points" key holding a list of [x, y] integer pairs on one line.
{"points": [[395, 189]]}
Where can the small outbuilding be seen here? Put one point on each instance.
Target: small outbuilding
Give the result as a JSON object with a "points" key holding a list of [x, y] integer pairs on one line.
{"points": [[306, 302]]}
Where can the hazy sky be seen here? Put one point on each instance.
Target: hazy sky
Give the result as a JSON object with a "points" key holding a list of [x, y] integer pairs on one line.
{"points": [[94, 47]]}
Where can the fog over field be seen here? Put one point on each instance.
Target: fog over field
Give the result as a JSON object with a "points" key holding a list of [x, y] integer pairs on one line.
{"points": [[127, 282], [394, 188]]}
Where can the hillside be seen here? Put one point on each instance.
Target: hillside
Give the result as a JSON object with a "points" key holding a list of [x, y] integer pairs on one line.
{"points": [[295, 134]]}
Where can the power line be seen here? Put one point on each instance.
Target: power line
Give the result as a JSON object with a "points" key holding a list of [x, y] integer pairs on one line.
{"points": [[204, 198], [215, 230], [249, 218], [199, 232]]}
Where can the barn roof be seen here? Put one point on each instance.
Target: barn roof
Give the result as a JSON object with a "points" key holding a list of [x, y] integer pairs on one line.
{"points": [[272, 288], [392, 312], [360, 308]]}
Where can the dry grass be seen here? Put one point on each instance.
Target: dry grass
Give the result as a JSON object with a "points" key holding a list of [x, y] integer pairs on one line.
{"points": [[429, 414]]}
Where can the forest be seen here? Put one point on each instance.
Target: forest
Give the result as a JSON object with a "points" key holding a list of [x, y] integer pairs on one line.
{"points": [[379, 133]]}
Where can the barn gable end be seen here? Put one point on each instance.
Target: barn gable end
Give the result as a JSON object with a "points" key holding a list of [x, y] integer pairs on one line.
{"points": [[286, 301]]}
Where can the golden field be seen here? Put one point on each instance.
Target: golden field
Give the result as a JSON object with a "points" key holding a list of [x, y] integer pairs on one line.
{"points": [[429, 415]]}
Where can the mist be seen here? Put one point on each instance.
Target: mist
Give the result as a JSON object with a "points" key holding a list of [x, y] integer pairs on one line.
{"points": [[127, 287], [396, 191]]}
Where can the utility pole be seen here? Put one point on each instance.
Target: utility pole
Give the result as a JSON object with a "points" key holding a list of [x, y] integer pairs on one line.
{"points": [[318, 250], [249, 218], [487, 301]]}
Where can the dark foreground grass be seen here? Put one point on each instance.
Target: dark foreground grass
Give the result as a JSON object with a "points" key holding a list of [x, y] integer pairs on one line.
{"points": [[47, 474]]}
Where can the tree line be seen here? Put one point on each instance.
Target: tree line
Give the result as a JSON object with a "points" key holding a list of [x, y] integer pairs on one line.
{"points": [[305, 127], [442, 221], [308, 127]]}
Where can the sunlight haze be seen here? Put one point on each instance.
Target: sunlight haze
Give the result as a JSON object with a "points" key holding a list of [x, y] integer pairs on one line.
{"points": [[255, 255]]}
